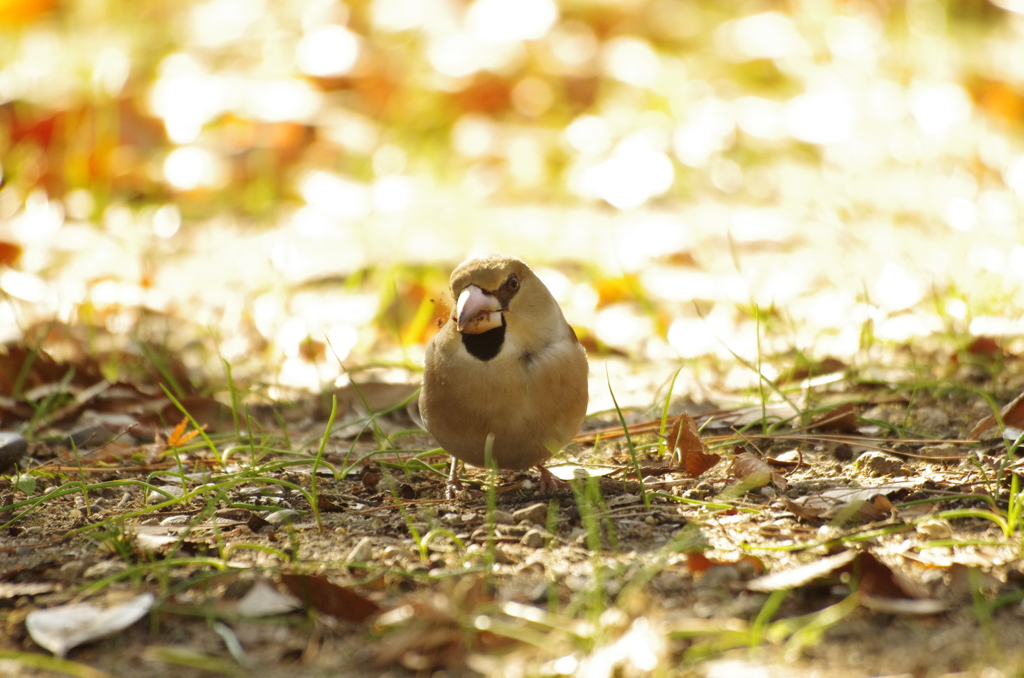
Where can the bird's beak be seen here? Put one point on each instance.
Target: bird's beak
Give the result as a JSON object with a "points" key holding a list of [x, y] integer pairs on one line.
{"points": [[477, 312]]}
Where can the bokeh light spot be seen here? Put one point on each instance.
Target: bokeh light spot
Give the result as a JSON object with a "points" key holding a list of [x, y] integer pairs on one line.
{"points": [[589, 134], [771, 35], [508, 20], [896, 289], [631, 60], [191, 167], [821, 117], [166, 221], [335, 195], [328, 51], [938, 107], [634, 174], [392, 194]]}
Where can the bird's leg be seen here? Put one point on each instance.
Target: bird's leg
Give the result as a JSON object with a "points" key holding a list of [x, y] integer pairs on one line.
{"points": [[454, 485], [549, 484]]}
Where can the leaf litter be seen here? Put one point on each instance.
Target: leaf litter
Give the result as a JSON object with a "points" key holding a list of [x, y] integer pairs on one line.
{"points": [[712, 529]]}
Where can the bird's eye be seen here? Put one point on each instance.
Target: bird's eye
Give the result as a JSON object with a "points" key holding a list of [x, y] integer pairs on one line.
{"points": [[513, 283]]}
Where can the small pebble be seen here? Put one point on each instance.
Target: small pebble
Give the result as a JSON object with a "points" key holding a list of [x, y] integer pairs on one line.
{"points": [[363, 551], [282, 517], [878, 464], [936, 528], [155, 497], [71, 570], [396, 553], [501, 556], [104, 568], [842, 452], [533, 539], [537, 514], [503, 518], [942, 450]]}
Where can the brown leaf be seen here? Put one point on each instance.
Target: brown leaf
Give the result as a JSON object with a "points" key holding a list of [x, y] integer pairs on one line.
{"points": [[329, 598], [370, 479], [879, 580], [688, 448], [40, 369], [750, 469], [1013, 415], [880, 587], [798, 374], [984, 346], [422, 649], [325, 504], [9, 253], [876, 509], [802, 512], [256, 522], [698, 562], [111, 452], [753, 471], [842, 419]]}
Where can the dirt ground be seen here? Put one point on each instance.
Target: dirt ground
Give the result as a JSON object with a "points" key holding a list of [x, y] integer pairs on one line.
{"points": [[882, 525]]}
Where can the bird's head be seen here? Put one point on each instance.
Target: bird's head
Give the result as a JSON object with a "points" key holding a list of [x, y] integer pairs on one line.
{"points": [[498, 294]]}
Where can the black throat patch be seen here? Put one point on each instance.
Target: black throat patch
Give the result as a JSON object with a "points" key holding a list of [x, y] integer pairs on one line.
{"points": [[485, 345]]}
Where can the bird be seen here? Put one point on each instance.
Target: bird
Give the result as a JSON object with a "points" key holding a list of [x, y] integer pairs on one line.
{"points": [[506, 375]]}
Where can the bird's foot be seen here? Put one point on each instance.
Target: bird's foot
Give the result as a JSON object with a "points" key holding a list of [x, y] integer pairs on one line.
{"points": [[549, 484], [453, 486]]}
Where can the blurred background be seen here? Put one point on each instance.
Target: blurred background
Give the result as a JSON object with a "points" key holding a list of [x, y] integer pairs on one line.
{"points": [[285, 185]]}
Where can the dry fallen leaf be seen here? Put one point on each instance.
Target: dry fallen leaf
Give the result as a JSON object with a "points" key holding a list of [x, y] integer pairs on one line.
{"points": [[753, 471], [866, 503], [984, 346], [329, 598], [1012, 414], [59, 629], [800, 511], [263, 600], [698, 562], [880, 587], [803, 574], [842, 419], [17, 589], [430, 632], [688, 448], [827, 366], [325, 504], [876, 509]]}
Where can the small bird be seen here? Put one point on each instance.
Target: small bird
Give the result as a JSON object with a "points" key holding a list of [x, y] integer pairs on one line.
{"points": [[505, 366]]}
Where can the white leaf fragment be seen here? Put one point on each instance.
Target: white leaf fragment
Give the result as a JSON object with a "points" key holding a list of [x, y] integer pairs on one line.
{"points": [[58, 629], [263, 600]]}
